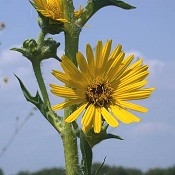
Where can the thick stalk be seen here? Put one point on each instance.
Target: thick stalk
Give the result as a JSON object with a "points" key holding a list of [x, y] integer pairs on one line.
{"points": [[71, 45], [67, 134], [69, 138], [70, 149]]}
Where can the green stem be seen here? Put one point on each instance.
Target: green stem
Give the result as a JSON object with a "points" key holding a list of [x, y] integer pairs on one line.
{"points": [[71, 45], [68, 137], [41, 37], [47, 111], [38, 75], [37, 70], [70, 149]]}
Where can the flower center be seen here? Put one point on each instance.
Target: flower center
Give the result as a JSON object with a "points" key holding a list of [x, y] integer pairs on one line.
{"points": [[99, 93]]}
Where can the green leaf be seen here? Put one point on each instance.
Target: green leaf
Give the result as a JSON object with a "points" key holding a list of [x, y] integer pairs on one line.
{"points": [[122, 4], [36, 100], [24, 52], [112, 136], [17, 49]]}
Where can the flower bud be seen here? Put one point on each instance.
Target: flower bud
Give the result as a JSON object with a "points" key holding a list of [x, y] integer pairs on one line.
{"points": [[34, 51], [48, 49]]}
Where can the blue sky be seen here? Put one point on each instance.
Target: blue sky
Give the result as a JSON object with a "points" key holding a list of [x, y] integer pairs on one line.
{"points": [[148, 31]]}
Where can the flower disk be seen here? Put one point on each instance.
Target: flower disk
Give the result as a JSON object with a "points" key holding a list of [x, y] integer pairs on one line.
{"points": [[53, 9], [102, 86]]}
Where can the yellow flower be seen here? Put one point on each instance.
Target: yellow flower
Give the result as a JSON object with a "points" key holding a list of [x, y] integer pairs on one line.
{"points": [[53, 9], [102, 86]]}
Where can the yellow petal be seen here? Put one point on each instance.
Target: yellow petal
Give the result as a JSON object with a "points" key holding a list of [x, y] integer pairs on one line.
{"points": [[133, 106], [67, 104], [88, 115], [115, 52], [130, 87], [76, 113], [97, 120], [90, 55], [118, 72], [135, 65], [60, 76], [138, 95], [52, 9], [135, 71], [109, 118], [90, 59], [98, 56], [131, 73], [117, 113], [106, 52], [115, 62], [66, 79], [135, 78], [70, 68], [65, 92], [82, 62], [42, 4], [83, 66], [123, 115]]}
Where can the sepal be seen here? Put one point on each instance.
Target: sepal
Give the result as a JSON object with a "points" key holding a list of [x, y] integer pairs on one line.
{"points": [[48, 49], [50, 26]]}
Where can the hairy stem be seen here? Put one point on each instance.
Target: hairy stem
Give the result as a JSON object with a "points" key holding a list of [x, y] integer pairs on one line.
{"points": [[69, 138], [70, 150], [71, 42]]}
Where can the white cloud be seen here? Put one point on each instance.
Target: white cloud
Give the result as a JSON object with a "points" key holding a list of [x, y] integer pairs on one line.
{"points": [[152, 128]]}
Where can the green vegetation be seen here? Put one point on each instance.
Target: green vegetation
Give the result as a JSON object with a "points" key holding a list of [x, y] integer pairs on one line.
{"points": [[53, 171], [1, 172], [105, 170]]}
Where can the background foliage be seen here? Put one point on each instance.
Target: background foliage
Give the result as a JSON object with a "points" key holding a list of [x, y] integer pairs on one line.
{"points": [[106, 170]]}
